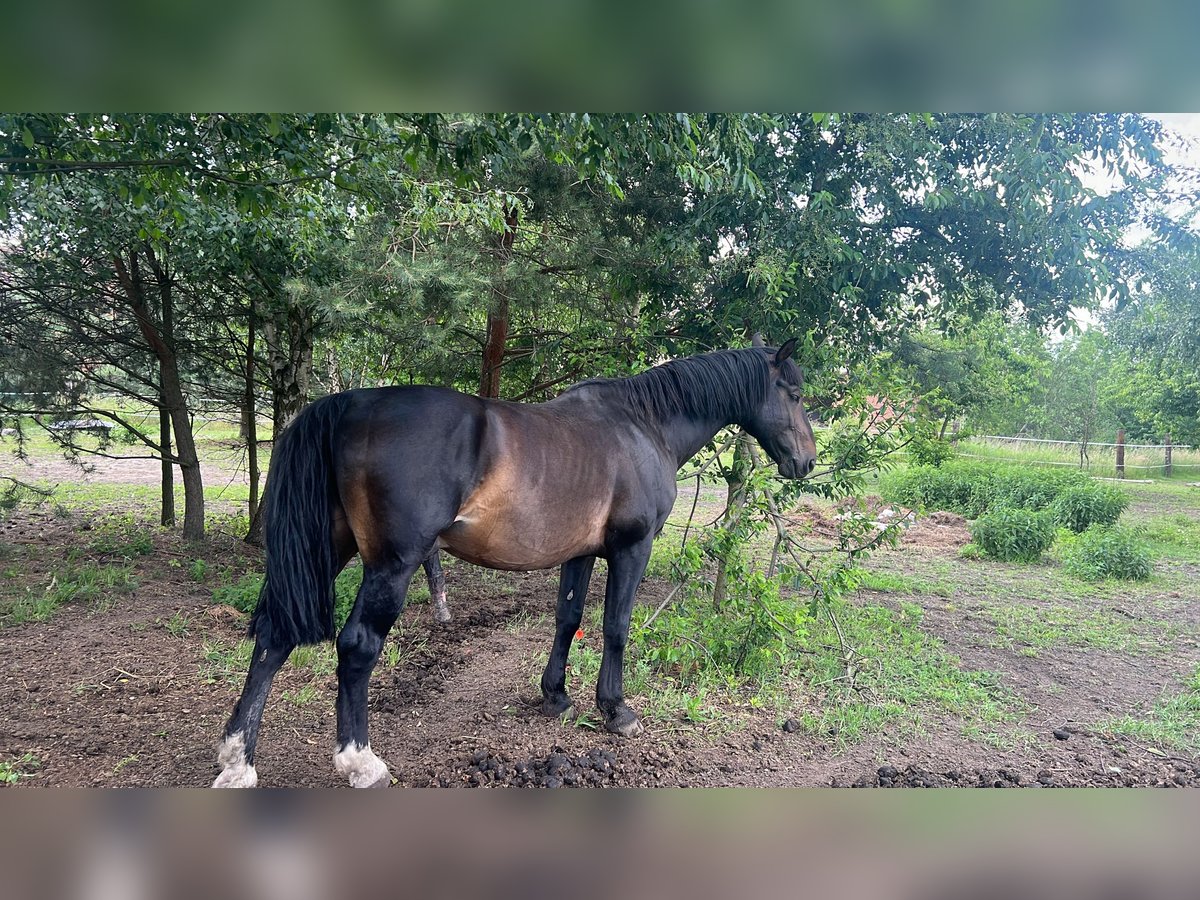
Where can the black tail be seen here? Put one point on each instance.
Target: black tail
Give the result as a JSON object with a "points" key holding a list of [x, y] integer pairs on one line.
{"points": [[296, 602]]}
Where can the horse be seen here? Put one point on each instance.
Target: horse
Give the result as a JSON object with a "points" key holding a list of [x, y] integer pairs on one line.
{"points": [[396, 473], [437, 588]]}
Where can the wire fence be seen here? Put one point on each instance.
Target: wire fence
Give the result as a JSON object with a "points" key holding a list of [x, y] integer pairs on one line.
{"points": [[1099, 458]]}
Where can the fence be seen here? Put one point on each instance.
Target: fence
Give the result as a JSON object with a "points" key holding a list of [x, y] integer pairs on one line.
{"points": [[1113, 460]]}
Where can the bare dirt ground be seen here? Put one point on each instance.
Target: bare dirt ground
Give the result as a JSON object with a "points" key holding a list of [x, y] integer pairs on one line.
{"points": [[128, 694]]}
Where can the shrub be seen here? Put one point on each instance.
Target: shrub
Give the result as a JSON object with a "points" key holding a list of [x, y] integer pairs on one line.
{"points": [[947, 487], [1081, 506], [243, 594], [927, 449], [972, 488], [1107, 552], [1012, 534]]}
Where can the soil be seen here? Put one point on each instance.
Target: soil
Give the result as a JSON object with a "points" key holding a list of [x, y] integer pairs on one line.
{"points": [[116, 697]]}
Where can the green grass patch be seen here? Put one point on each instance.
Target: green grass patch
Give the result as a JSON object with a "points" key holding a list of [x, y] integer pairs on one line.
{"points": [[121, 535], [13, 770], [223, 662], [902, 674], [892, 583], [101, 586], [1032, 629], [1174, 721], [1173, 536]]}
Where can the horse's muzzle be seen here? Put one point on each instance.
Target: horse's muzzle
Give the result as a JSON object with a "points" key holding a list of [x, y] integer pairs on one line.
{"points": [[797, 467]]}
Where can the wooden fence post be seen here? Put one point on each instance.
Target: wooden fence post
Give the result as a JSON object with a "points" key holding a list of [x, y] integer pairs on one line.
{"points": [[1167, 458], [1120, 452]]}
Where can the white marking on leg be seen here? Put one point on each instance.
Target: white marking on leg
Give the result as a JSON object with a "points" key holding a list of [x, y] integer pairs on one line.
{"points": [[362, 766], [235, 771], [441, 612]]}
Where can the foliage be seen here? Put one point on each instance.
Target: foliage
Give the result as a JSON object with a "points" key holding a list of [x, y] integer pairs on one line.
{"points": [[972, 488], [1013, 534], [1108, 552], [13, 770], [242, 595], [1081, 506], [928, 449]]}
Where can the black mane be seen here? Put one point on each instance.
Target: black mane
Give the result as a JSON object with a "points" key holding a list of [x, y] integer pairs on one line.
{"points": [[726, 384]]}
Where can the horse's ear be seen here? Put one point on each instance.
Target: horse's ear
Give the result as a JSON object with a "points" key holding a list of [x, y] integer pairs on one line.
{"points": [[785, 351], [756, 340]]}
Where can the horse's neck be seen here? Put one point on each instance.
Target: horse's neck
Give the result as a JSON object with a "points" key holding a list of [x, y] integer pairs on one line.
{"points": [[685, 434]]}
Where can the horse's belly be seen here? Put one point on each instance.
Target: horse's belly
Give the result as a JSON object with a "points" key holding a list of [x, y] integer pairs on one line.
{"points": [[509, 543]]}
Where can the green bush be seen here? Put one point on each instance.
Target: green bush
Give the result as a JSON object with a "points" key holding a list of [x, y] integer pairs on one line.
{"points": [[243, 594], [972, 488], [927, 449], [1012, 534], [1107, 552], [1081, 506]]}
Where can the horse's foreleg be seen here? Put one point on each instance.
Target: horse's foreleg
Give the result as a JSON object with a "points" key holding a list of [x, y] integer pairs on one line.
{"points": [[572, 591], [236, 751], [437, 587], [380, 600], [626, 567]]}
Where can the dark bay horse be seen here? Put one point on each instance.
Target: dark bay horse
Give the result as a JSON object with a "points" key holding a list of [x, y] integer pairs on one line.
{"points": [[394, 473]]}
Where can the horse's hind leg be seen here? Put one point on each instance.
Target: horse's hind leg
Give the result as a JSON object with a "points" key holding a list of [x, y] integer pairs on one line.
{"points": [[380, 600], [236, 752], [437, 587], [572, 591]]}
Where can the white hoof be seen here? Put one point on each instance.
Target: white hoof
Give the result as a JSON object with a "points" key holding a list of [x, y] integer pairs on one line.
{"points": [[235, 771], [362, 767]]}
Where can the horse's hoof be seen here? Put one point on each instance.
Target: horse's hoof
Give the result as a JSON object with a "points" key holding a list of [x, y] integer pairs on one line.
{"points": [[237, 777], [625, 723], [557, 708], [362, 768], [236, 771]]}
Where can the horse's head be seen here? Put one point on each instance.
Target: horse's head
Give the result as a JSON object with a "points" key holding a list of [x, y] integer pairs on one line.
{"points": [[780, 424]]}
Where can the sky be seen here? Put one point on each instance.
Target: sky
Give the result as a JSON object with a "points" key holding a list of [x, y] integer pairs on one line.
{"points": [[1187, 126]]}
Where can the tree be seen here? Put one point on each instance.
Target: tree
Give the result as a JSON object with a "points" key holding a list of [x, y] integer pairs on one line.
{"points": [[1155, 379]]}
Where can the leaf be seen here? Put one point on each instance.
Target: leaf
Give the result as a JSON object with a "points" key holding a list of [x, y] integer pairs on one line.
{"points": [[27, 137]]}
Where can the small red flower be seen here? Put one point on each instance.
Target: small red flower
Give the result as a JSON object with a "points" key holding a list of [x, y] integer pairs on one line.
{"points": [[579, 634]]}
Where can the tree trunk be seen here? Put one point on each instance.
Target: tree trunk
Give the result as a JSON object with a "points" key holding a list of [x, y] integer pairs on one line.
{"points": [[497, 321], [171, 386], [167, 315], [249, 421], [736, 480], [493, 348], [289, 337], [168, 467]]}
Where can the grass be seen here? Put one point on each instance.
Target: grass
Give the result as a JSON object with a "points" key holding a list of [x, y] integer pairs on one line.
{"points": [[892, 583], [76, 583], [13, 770], [1174, 721], [225, 663], [902, 675], [178, 625], [1103, 461], [526, 620], [1032, 629], [1173, 535]]}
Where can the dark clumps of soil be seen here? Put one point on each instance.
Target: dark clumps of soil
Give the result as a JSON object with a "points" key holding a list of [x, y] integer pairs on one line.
{"points": [[597, 767], [1170, 774]]}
